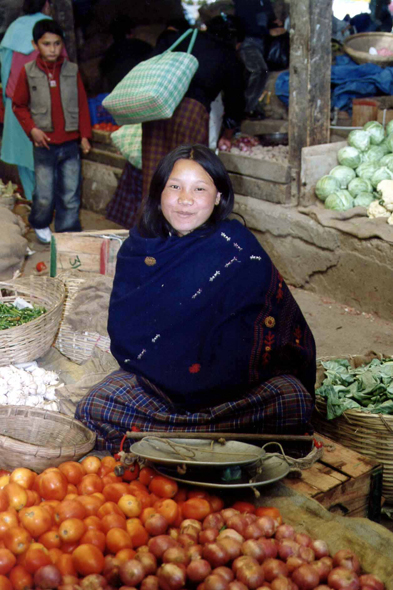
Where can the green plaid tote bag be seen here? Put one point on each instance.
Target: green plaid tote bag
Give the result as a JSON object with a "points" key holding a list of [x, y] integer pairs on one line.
{"points": [[152, 90], [128, 140]]}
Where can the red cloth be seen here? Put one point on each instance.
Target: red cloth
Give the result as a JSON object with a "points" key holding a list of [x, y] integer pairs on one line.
{"points": [[21, 100]]}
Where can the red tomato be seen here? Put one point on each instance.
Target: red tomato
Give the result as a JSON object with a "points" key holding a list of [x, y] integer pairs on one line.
{"points": [[244, 507], [197, 508], [40, 266], [163, 487], [269, 511]]}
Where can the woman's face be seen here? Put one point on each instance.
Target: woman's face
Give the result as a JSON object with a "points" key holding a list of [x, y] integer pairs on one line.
{"points": [[189, 197]]}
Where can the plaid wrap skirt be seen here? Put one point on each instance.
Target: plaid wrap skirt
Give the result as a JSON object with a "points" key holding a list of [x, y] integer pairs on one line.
{"points": [[281, 405], [188, 124]]}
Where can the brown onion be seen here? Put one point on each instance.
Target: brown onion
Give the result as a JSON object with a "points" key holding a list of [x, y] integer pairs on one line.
{"points": [[320, 548], [372, 581], [171, 576], [306, 577], [273, 568], [253, 549], [340, 578], [216, 554], [208, 535], [323, 567], [198, 570], [233, 547], [293, 563], [149, 562], [215, 582], [238, 523], [288, 548], [346, 558], [158, 545], [251, 575], [267, 525], [47, 576], [231, 533], [226, 513], [306, 553], [225, 572], [281, 583], [175, 555], [285, 531], [270, 546], [214, 520], [150, 583], [132, 572]]}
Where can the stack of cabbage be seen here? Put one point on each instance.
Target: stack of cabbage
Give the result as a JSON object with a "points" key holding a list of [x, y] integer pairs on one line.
{"points": [[363, 164]]}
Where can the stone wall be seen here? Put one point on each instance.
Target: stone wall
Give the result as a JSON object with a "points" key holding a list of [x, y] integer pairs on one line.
{"points": [[358, 273]]}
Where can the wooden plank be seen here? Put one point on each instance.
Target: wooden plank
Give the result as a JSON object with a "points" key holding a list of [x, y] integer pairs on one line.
{"points": [[79, 250], [316, 161], [105, 157], [320, 477], [345, 460], [309, 83], [264, 126], [256, 168], [261, 189], [64, 15], [102, 136]]}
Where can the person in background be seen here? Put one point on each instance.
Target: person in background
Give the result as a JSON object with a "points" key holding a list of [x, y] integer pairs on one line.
{"points": [[50, 104], [15, 51], [124, 54], [257, 24], [219, 70], [203, 326]]}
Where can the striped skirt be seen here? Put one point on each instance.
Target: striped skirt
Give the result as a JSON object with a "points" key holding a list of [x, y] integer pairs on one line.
{"points": [[122, 400]]}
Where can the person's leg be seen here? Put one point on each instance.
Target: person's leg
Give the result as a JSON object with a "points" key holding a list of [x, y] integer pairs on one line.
{"points": [[257, 72], [44, 195], [68, 188], [27, 178]]}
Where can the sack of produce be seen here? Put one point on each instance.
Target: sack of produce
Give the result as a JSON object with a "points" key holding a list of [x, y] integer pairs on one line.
{"points": [[12, 244]]}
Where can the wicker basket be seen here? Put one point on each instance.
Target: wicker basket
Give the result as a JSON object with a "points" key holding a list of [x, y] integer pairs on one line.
{"points": [[33, 339], [77, 346], [37, 439], [368, 434], [8, 202], [357, 46]]}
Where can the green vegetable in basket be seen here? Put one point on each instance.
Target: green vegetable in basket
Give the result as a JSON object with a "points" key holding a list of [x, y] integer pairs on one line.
{"points": [[375, 131], [11, 316], [368, 388], [386, 160], [349, 156], [326, 186]]}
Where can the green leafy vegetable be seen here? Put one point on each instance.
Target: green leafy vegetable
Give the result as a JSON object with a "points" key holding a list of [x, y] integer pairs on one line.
{"points": [[11, 316]]}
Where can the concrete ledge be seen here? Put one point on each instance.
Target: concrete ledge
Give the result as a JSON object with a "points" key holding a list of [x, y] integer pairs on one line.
{"points": [[256, 168], [261, 189], [327, 261]]}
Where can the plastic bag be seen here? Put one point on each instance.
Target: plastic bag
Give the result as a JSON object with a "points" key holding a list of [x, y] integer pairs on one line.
{"points": [[278, 54]]}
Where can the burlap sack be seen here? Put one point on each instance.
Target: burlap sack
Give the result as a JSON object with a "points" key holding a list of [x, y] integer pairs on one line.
{"points": [[12, 244]]}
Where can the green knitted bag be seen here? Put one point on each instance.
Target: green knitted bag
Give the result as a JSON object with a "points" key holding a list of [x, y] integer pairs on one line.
{"points": [[153, 89], [128, 140]]}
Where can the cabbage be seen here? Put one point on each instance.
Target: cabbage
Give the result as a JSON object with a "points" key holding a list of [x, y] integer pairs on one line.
{"points": [[363, 199], [349, 156], [386, 160], [366, 170], [344, 175], [325, 186], [389, 128], [385, 146], [359, 139], [375, 131], [374, 154], [389, 141], [359, 185], [339, 201], [381, 174]]}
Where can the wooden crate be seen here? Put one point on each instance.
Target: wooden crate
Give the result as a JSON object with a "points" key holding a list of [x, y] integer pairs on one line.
{"points": [[343, 481], [257, 178], [85, 251]]}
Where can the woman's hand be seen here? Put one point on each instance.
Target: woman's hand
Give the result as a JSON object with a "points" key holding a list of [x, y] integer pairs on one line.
{"points": [[39, 138], [224, 144], [85, 145]]}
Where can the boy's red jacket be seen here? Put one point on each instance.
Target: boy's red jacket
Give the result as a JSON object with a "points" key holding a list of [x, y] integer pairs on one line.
{"points": [[21, 100]]}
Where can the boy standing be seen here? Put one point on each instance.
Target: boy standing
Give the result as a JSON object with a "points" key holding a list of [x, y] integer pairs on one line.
{"points": [[51, 105]]}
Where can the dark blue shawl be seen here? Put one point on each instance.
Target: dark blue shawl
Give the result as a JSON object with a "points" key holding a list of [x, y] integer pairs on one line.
{"points": [[206, 317]]}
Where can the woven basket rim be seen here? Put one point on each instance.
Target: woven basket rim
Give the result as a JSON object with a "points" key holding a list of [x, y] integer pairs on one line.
{"points": [[364, 55], [58, 417], [52, 305]]}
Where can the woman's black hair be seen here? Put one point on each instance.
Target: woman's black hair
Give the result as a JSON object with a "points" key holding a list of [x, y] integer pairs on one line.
{"points": [[152, 223], [33, 6], [46, 25]]}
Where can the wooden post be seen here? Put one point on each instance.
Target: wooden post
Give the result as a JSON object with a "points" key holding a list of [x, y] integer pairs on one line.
{"points": [[63, 13], [309, 85]]}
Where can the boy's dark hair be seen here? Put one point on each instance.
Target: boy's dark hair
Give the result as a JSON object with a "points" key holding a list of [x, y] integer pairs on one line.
{"points": [[121, 26], [46, 25], [152, 223], [33, 6]]}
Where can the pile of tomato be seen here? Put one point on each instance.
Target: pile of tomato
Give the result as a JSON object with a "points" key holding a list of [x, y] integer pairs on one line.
{"points": [[106, 127], [93, 525]]}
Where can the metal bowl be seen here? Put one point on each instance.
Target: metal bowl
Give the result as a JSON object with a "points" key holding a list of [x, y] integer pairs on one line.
{"points": [[267, 139]]}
